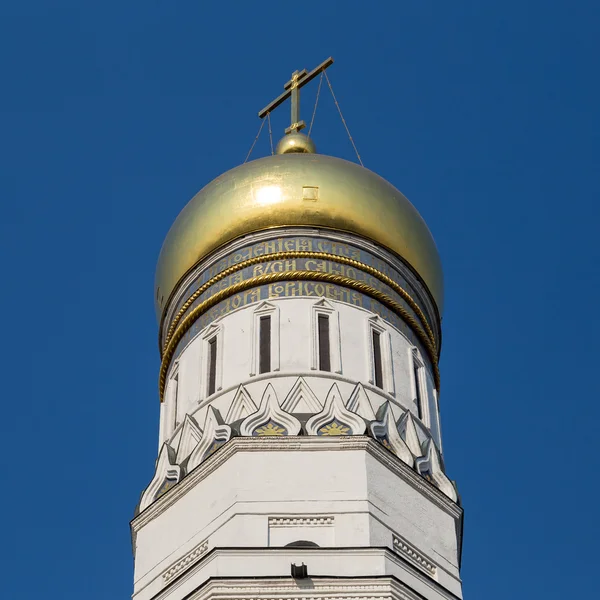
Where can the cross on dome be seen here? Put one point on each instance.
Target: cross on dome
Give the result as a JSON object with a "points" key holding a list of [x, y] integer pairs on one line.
{"points": [[292, 87]]}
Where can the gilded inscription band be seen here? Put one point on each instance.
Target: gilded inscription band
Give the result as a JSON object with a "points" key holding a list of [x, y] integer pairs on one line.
{"points": [[197, 311], [272, 246], [309, 255]]}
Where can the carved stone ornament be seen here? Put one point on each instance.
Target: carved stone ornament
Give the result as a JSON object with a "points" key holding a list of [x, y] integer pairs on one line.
{"points": [[242, 406], [385, 431], [166, 475], [270, 419], [214, 435], [408, 432], [409, 552], [360, 404], [335, 418], [301, 399], [186, 562], [430, 467], [190, 436]]}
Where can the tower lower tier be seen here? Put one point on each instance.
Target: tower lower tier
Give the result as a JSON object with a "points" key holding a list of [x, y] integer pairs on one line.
{"points": [[364, 524]]}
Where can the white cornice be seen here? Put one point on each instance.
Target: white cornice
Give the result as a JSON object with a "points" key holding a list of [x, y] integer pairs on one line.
{"points": [[409, 552], [317, 587], [186, 562], [287, 589], [294, 444]]}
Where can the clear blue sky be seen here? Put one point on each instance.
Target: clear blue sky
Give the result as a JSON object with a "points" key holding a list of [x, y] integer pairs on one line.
{"points": [[484, 113]]}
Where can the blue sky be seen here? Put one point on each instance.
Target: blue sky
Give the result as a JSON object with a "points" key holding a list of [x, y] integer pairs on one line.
{"points": [[485, 114]]}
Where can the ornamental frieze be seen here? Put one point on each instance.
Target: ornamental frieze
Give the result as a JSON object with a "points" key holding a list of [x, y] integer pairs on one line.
{"points": [[302, 264], [274, 247]]}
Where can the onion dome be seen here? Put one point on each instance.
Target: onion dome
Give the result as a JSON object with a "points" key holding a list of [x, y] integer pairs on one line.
{"points": [[297, 188]]}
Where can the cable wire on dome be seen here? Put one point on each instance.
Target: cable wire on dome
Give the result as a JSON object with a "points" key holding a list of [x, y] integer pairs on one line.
{"points": [[316, 102], [270, 133], [262, 124], [343, 120]]}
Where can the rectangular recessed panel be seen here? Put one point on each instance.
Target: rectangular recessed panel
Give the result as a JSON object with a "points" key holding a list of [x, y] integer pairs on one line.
{"points": [[310, 193]]}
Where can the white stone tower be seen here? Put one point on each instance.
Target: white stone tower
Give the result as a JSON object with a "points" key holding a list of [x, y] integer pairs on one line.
{"points": [[300, 454]]}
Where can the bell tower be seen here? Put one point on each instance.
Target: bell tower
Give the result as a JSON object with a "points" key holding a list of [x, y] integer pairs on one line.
{"points": [[300, 451]]}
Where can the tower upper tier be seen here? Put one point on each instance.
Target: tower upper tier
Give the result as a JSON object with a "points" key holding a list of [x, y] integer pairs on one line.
{"points": [[297, 190]]}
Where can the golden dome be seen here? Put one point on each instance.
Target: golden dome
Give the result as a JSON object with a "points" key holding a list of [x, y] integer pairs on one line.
{"points": [[270, 192]]}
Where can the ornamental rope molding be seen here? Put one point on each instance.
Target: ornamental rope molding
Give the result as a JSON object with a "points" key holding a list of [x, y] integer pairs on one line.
{"points": [[384, 299], [301, 254]]}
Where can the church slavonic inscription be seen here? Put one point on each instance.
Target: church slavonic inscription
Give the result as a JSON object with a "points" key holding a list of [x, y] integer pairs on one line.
{"points": [[303, 264], [290, 244]]}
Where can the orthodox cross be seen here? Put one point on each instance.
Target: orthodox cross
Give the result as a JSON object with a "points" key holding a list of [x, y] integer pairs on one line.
{"points": [[292, 89]]}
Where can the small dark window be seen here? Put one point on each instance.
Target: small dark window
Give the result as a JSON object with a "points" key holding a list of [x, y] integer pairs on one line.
{"points": [[264, 344], [377, 359], [212, 365], [324, 349], [418, 398]]}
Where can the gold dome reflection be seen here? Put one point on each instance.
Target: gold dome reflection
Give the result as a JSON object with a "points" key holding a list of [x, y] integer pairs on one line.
{"points": [[269, 194]]}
